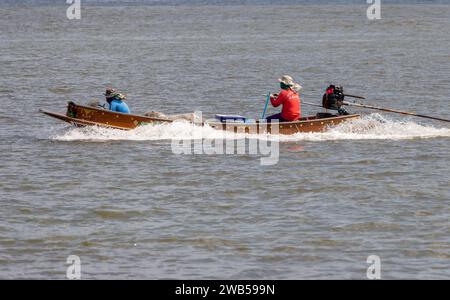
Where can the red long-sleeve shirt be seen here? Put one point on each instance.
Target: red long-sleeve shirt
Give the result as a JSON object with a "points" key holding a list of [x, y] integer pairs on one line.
{"points": [[291, 104]]}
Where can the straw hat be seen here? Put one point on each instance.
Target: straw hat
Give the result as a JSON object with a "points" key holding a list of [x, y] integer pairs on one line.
{"points": [[109, 92], [297, 87], [287, 80], [114, 93]]}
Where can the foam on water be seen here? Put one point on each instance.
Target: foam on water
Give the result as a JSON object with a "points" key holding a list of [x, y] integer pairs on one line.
{"points": [[369, 127], [165, 131], [375, 127]]}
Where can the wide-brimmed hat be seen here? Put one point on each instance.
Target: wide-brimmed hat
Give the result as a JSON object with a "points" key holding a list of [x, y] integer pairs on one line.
{"points": [[113, 93], [296, 87], [109, 92], [287, 80]]}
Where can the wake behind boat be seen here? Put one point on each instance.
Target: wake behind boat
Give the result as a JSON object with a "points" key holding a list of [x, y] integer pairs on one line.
{"points": [[80, 115]]}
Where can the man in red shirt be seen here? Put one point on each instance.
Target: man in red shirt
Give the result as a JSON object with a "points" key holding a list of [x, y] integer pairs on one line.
{"points": [[289, 98]]}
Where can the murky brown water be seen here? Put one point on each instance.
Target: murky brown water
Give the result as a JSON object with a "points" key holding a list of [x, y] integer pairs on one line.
{"points": [[130, 208]]}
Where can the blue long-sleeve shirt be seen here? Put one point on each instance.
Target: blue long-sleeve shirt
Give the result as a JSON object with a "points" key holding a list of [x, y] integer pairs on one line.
{"points": [[119, 106]]}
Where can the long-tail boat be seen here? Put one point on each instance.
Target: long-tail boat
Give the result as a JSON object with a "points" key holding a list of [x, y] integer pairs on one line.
{"points": [[80, 115]]}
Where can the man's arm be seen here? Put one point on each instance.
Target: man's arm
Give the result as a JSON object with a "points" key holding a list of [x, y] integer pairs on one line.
{"points": [[278, 100], [112, 106]]}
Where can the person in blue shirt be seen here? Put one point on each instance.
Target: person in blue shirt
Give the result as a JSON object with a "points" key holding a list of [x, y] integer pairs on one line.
{"points": [[115, 101]]}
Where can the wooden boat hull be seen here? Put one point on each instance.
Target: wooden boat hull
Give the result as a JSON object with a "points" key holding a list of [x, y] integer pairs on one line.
{"points": [[305, 125], [80, 115]]}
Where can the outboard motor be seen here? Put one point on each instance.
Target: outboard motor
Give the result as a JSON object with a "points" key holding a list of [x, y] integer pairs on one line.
{"points": [[334, 98]]}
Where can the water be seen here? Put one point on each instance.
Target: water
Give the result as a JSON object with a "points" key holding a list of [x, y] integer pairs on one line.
{"points": [[130, 208]]}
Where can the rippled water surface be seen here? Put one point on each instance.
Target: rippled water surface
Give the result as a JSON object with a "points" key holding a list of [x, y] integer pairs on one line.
{"points": [[130, 208]]}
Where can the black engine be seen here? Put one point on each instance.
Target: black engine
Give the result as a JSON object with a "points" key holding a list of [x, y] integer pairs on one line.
{"points": [[334, 99]]}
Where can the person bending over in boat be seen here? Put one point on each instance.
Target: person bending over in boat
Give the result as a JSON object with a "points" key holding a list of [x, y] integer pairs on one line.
{"points": [[289, 98], [115, 101]]}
